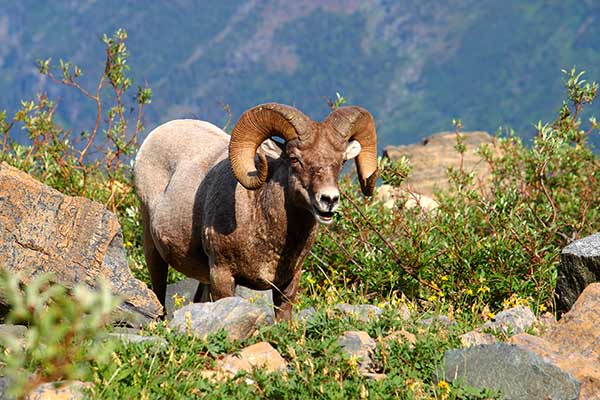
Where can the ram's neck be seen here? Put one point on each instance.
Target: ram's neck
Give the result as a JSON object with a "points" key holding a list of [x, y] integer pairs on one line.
{"points": [[279, 212]]}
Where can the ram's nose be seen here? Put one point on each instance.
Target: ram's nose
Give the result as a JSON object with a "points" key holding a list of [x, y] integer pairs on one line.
{"points": [[328, 200]]}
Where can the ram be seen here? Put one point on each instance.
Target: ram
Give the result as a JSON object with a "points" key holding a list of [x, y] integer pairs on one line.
{"points": [[244, 209]]}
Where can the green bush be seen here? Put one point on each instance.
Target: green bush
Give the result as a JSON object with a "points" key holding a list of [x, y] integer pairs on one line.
{"points": [[489, 247], [63, 336]]}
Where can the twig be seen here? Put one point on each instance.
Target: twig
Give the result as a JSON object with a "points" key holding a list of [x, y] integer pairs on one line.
{"points": [[312, 253], [408, 270], [5, 139], [92, 136], [554, 212], [227, 108]]}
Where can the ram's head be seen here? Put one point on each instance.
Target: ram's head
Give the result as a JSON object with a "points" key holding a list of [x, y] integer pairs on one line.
{"points": [[315, 152]]}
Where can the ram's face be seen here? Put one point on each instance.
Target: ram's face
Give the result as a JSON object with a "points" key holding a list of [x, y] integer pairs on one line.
{"points": [[315, 165]]}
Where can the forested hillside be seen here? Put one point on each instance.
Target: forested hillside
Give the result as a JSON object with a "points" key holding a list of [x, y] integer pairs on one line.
{"points": [[414, 64]]}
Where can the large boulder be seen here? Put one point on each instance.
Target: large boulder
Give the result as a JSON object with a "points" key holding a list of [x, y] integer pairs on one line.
{"points": [[579, 266], [431, 158], [573, 343], [516, 372], [76, 239]]}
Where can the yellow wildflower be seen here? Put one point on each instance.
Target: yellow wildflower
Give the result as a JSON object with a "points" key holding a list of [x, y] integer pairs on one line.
{"points": [[443, 386], [483, 289]]}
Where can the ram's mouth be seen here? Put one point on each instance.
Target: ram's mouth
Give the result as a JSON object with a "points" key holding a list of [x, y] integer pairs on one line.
{"points": [[323, 217]]}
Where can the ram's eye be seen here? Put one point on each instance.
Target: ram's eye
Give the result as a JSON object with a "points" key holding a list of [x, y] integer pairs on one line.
{"points": [[294, 160]]}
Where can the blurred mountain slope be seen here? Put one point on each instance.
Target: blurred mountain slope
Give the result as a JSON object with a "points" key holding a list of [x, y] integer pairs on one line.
{"points": [[414, 64]]}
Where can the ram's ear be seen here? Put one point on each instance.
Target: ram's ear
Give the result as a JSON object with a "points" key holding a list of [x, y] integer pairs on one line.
{"points": [[272, 148], [353, 148]]}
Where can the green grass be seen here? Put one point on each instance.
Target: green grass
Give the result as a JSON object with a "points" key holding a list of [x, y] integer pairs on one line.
{"points": [[317, 368]]}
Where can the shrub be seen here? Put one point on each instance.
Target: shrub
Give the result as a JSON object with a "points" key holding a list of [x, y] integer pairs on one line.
{"points": [[63, 331], [487, 247]]}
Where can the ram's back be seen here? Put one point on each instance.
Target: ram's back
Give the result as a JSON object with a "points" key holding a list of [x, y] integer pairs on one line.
{"points": [[178, 152]]}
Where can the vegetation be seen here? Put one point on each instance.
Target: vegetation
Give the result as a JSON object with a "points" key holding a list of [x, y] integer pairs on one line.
{"points": [[483, 246], [483, 249], [63, 335], [65, 342]]}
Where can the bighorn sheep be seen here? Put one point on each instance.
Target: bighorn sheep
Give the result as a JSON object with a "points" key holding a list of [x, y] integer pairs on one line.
{"points": [[197, 218]]}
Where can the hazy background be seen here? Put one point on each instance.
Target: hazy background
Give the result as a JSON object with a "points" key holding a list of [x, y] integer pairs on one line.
{"points": [[414, 64]]}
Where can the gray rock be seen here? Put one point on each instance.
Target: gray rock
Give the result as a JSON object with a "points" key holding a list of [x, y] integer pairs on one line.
{"points": [[187, 287], [76, 239], [130, 338], [4, 385], [362, 312], [573, 342], [237, 316], [438, 320], [476, 337], [306, 314], [513, 321], [259, 297], [358, 344], [579, 266], [16, 333], [516, 372]]}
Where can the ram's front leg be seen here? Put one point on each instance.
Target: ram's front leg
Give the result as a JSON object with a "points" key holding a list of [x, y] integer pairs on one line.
{"points": [[284, 297], [222, 283]]}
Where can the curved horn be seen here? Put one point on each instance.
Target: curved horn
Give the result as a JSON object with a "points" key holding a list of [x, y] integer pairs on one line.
{"points": [[254, 127], [356, 123]]}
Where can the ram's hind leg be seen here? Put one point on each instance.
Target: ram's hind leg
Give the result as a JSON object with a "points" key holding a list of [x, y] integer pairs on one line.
{"points": [[157, 267]]}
